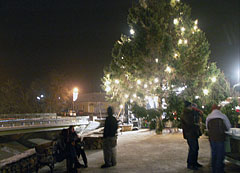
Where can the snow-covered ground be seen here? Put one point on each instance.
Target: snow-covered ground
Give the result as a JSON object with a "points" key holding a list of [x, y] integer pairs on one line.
{"points": [[145, 152]]}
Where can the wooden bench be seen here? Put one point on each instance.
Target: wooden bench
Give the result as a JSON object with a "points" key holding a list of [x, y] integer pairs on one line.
{"points": [[45, 157]]}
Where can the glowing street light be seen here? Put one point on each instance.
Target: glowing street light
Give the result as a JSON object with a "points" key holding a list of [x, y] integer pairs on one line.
{"points": [[75, 95]]}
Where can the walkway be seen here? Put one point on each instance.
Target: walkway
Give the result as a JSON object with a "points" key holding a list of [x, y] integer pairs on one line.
{"points": [[144, 152]]}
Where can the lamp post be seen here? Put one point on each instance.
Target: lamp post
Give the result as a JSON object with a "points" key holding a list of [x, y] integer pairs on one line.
{"points": [[75, 95]]}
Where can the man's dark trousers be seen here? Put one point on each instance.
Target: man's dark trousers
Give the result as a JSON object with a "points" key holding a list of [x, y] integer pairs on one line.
{"points": [[193, 152], [218, 154]]}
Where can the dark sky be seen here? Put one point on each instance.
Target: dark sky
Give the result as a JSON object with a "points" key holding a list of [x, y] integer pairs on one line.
{"points": [[76, 36]]}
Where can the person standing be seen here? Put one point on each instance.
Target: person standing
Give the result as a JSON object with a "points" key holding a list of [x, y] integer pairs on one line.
{"points": [[191, 133], [217, 123], [110, 140]]}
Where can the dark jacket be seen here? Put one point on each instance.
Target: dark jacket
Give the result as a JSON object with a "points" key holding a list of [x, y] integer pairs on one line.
{"points": [[216, 130], [190, 129], [110, 127]]}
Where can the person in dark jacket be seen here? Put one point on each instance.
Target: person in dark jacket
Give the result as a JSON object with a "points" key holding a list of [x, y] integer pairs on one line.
{"points": [[217, 123], [191, 133], [110, 140]]}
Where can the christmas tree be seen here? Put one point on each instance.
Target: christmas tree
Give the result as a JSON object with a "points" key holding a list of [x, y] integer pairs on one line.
{"points": [[164, 52]]}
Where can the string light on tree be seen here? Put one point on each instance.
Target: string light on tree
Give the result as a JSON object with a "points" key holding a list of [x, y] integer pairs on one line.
{"points": [[156, 80], [116, 81], [168, 69], [108, 89], [139, 82], [185, 41], [195, 28], [175, 55], [132, 32], [205, 92], [145, 85], [180, 41], [214, 79], [126, 96], [182, 29], [175, 21], [196, 22], [156, 60]]}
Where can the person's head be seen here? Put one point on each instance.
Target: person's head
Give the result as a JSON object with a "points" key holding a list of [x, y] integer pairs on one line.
{"points": [[110, 111], [215, 107], [187, 104], [71, 129]]}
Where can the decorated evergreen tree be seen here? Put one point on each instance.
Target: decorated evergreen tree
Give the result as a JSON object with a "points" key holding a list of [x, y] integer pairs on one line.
{"points": [[165, 52]]}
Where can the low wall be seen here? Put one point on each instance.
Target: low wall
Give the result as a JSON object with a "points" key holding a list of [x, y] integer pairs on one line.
{"points": [[26, 162], [29, 115]]}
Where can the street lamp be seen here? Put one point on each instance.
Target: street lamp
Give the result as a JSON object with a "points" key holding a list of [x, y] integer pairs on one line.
{"points": [[75, 95]]}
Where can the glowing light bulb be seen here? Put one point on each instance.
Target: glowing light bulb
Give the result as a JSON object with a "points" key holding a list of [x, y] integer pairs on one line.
{"points": [[175, 21], [175, 55], [138, 81], [180, 41], [196, 22], [108, 89], [116, 81], [132, 32], [182, 29], [156, 80], [205, 91], [185, 41], [156, 60], [168, 69], [214, 79]]}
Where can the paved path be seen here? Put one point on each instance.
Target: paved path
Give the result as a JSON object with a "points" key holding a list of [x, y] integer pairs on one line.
{"points": [[145, 152]]}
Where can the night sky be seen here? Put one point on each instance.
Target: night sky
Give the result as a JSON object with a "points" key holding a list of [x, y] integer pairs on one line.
{"points": [[77, 36]]}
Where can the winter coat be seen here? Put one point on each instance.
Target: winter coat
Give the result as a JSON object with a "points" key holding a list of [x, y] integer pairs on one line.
{"points": [[110, 127], [190, 129]]}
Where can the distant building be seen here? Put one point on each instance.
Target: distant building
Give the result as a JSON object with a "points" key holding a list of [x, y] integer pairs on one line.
{"points": [[94, 103]]}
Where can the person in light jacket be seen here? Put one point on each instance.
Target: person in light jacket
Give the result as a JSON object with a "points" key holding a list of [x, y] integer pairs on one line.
{"points": [[217, 124]]}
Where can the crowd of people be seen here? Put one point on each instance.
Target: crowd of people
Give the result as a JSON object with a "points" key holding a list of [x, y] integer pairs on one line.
{"points": [[71, 147]]}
